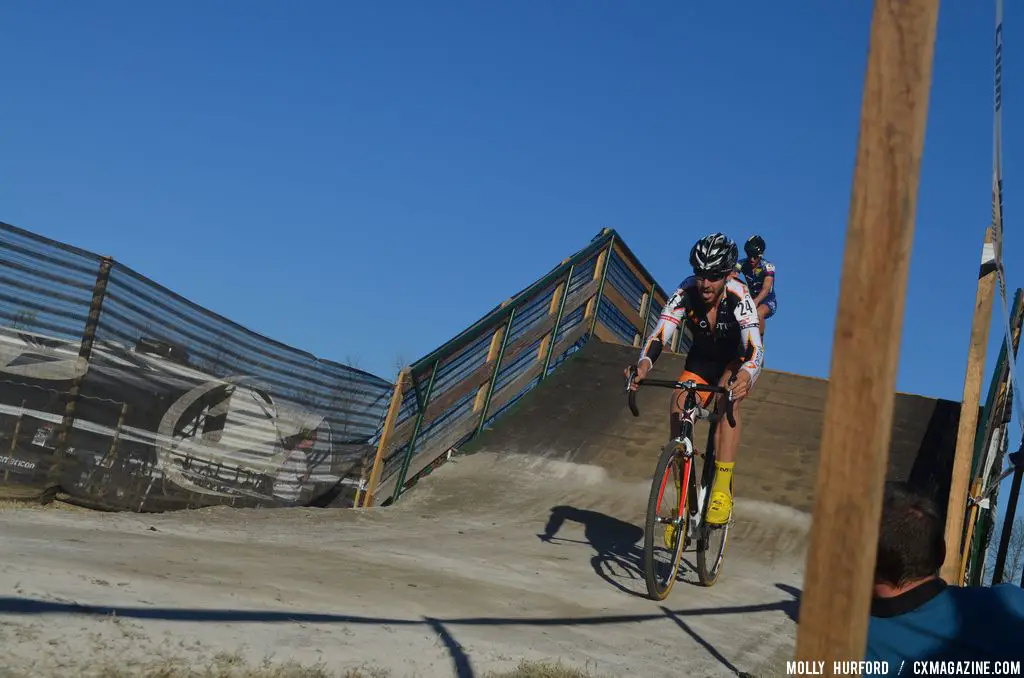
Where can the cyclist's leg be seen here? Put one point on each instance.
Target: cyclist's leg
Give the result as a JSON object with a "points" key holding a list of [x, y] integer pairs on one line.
{"points": [[727, 442], [765, 310], [694, 369]]}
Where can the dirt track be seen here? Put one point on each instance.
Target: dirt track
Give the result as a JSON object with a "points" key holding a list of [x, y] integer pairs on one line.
{"points": [[455, 580], [426, 588]]}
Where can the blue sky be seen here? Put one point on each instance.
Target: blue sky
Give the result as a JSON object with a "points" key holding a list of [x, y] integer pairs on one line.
{"points": [[341, 176]]}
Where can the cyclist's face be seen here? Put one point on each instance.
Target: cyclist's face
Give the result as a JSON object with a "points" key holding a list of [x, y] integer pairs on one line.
{"points": [[710, 286]]}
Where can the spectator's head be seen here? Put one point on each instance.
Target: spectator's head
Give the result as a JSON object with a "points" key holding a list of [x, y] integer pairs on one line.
{"points": [[911, 540]]}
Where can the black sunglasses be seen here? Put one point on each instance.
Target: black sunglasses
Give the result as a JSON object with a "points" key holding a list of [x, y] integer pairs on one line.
{"points": [[710, 277]]}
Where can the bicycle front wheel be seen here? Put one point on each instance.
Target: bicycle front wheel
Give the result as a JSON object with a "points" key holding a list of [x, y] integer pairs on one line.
{"points": [[712, 540], [667, 507]]}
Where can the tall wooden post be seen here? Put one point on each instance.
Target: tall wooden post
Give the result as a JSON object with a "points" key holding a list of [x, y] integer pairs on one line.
{"points": [[967, 429], [835, 604], [385, 435]]}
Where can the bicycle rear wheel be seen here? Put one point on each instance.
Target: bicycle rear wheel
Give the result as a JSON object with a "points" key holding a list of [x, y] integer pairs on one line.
{"points": [[709, 557], [667, 505]]}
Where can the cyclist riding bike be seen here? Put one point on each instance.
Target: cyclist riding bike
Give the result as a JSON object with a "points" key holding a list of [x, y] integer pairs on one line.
{"points": [[726, 351], [760, 276]]}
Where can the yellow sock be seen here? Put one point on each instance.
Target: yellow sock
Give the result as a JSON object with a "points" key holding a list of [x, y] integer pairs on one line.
{"points": [[723, 477]]}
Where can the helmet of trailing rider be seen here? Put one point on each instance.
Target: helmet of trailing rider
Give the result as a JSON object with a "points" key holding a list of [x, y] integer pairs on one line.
{"points": [[754, 247], [714, 254]]}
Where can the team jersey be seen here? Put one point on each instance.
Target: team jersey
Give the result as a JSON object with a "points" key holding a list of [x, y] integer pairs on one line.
{"points": [[737, 332], [756, 275]]}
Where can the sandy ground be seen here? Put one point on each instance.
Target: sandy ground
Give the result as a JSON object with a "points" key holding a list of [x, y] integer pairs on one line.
{"points": [[454, 581]]}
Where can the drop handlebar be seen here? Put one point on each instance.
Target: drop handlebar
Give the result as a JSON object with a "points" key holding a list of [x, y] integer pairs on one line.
{"points": [[689, 385]]}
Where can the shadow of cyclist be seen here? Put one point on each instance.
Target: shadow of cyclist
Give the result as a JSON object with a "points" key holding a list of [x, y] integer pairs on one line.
{"points": [[615, 542]]}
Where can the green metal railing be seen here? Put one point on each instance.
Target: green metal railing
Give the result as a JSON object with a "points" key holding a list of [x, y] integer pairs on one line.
{"points": [[990, 420], [504, 317], [558, 322], [500, 314], [497, 370], [421, 406]]}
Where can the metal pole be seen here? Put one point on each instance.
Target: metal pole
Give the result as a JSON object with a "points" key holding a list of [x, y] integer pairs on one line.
{"points": [[497, 368], [415, 431], [600, 285], [1004, 538], [558, 321], [92, 322]]}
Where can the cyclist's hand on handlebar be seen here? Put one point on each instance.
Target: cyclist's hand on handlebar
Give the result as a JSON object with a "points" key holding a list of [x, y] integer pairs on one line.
{"points": [[639, 372], [740, 386]]}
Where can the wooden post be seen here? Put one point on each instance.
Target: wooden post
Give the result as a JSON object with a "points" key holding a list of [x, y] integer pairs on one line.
{"points": [[835, 604], [957, 503], [385, 434], [960, 556]]}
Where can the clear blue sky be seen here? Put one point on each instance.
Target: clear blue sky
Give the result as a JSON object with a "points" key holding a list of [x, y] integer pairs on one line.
{"points": [[340, 176]]}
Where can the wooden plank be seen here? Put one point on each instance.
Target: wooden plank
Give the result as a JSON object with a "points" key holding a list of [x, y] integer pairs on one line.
{"points": [[835, 603], [645, 282], [602, 260], [570, 338], [502, 398], [556, 299], [607, 334], [612, 294], [967, 429], [492, 354], [389, 424]]}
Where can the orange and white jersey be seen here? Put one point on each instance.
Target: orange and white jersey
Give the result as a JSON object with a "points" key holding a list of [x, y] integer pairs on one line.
{"points": [[736, 333]]}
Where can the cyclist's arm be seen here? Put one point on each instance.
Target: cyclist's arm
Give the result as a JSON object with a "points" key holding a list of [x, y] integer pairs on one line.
{"points": [[750, 331], [769, 283], [669, 322]]}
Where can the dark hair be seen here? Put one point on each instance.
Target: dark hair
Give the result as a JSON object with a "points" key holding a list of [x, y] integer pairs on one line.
{"points": [[911, 539]]}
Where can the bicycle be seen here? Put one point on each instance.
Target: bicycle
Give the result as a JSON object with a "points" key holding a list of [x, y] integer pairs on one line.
{"points": [[677, 459]]}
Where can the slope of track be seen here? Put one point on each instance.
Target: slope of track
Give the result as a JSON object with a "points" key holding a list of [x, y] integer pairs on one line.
{"points": [[527, 548]]}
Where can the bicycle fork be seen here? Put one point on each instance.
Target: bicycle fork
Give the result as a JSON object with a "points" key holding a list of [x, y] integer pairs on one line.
{"points": [[682, 478], [696, 488]]}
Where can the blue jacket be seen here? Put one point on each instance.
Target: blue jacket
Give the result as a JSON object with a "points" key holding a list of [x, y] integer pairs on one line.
{"points": [[938, 622]]}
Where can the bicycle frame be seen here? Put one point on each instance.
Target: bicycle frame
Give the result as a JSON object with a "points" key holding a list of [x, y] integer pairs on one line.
{"points": [[689, 414], [676, 462]]}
